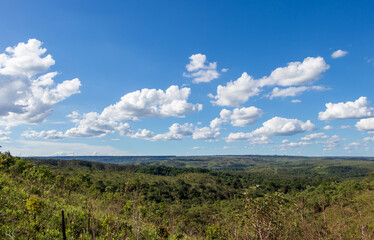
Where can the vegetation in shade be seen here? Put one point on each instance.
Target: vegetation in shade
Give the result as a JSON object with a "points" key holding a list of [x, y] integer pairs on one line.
{"points": [[310, 200]]}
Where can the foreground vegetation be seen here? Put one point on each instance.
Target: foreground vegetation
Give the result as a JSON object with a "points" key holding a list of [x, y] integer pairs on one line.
{"points": [[109, 201]]}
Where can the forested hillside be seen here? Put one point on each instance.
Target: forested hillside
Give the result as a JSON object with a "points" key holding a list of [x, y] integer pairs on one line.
{"points": [[108, 201]]}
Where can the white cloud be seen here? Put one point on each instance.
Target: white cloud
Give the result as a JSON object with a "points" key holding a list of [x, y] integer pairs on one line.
{"points": [[368, 139], [205, 133], [339, 53], [224, 117], [73, 115], [239, 117], [239, 136], [314, 136], [93, 125], [260, 140], [327, 127], [293, 91], [344, 126], [332, 143], [278, 126], [354, 145], [197, 148], [176, 132], [25, 59], [357, 109], [44, 148], [244, 116], [366, 125], [363, 142], [224, 70], [249, 137], [4, 136], [296, 73], [296, 144], [26, 96], [4, 133], [201, 72], [150, 103], [4, 139], [146, 103], [51, 134], [369, 60], [296, 101], [237, 92], [144, 134], [216, 123]]}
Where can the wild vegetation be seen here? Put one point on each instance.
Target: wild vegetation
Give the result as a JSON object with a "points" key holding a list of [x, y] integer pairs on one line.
{"points": [[279, 198]]}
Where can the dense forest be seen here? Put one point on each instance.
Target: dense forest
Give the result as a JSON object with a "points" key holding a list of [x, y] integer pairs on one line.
{"points": [[222, 197]]}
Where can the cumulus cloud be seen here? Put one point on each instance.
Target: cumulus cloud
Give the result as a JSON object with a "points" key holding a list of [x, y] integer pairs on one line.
{"points": [[339, 53], [276, 126], [25, 59], [144, 134], [236, 92], [205, 133], [93, 125], [314, 136], [90, 125], [239, 136], [260, 140], [151, 103], [293, 91], [73, 115], [238, 117], [357, 109], [295, 74], [244, 116], [178, 132], [327, 127], [200, 70], [27, 93], [366, 125], [147, 103]]}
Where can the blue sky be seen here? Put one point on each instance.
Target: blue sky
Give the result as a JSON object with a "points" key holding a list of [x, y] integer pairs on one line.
{"points": [[187, 77]]}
